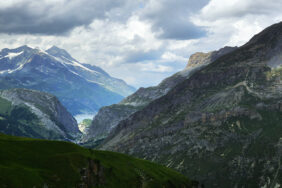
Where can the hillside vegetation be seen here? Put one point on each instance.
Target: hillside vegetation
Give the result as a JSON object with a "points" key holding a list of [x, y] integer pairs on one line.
{"points": [[26, 162]]}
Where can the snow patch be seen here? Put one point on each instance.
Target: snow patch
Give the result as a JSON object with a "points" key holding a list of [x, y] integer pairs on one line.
{"points": [[101, 84], [13, 55], [74, 63], [9, 71], [67, 61]]}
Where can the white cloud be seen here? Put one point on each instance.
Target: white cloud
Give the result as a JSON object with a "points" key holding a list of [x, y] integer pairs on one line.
{"points": [[235, 22], [151, 67]]}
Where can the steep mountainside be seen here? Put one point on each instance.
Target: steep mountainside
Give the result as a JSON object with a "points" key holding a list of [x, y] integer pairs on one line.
{"points": [[80, 87], [108, 117], [26, 162], [35, 114], [222, 125]]}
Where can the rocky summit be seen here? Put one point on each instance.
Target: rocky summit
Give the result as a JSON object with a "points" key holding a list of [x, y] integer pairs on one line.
{"points": [[82, 88], [35, 114], [222, 125]]}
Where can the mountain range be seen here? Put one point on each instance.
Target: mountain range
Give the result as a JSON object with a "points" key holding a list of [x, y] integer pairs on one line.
{"points": [[218, 121], [221, 124], [82, 88]]}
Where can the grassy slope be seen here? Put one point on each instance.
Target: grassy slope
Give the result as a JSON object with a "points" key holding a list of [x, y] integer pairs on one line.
{"points": [[26, 162]]}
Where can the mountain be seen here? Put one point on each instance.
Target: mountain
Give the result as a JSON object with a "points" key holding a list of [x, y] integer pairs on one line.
{"points": [[35, 114], [222, 125], [29, 162], [109, 117], [80, 87]]}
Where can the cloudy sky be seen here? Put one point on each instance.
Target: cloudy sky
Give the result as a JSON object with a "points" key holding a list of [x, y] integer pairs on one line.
{"points": [[141, 41]]}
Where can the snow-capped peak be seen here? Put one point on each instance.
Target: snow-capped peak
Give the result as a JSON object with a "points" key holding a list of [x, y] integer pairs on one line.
{"points": [[75, 63], [58, 52], [64, 57]]}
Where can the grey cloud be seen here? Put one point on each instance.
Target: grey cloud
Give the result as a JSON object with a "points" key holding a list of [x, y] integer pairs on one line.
{"points": [[40, 17], [140, 55], [227, 9], [178, 29], [171, 19]]}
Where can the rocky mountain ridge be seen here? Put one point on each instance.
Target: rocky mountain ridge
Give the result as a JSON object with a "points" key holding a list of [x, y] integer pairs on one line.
{"points": [[226, 118], [110, 116]]}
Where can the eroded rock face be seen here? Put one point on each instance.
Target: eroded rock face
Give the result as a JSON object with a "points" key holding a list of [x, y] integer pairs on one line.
{"points": [[222, 125], [110, 116], [201, 58]]}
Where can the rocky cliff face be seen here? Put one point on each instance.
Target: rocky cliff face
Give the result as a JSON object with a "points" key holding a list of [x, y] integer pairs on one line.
{"points": [[35, 114], [222, 125], [80, 87], [110, 116]]}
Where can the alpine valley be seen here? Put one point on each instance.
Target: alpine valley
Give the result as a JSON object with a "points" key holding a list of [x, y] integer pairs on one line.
{"points": [[217, 123]]}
